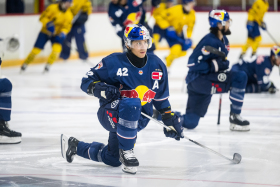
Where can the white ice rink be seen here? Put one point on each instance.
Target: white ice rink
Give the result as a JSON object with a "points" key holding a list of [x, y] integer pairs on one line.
{"points": [[44, 106]]}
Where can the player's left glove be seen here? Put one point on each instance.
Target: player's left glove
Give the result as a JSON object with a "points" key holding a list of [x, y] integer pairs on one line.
{"points": [[173, 121], [263, 26], [103, 91], [187, 44], [60, 38], [218, 65], [272, 89]]}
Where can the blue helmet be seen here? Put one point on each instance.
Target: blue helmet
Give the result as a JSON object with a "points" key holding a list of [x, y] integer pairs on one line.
{"points": [[187, 1], [136, 32], [218, 16], [275, 51]]}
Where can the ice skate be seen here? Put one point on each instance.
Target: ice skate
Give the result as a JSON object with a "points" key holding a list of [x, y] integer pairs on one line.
{"points": [[47, 68], [129, 161], [130, 170], [68, 147], [7, 136], [23, 68], [237, 123]]}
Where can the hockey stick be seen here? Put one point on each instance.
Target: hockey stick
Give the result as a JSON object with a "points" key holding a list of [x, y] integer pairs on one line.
{"points": [[236, 157], [219, 113], [272, 38], [223, 55]]}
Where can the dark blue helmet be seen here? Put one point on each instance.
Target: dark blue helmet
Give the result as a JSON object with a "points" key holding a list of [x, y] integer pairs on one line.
{"points": [[218, 16]]}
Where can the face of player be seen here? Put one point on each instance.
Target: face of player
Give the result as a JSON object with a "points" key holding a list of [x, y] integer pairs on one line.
{"points": [[123, 2], [277, 61], [188, 7], [139, 48], [115, 1], [66, 5], [225, 29]]}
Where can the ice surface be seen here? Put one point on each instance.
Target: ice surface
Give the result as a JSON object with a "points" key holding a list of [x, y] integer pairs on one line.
{"points": [[44, 106]]}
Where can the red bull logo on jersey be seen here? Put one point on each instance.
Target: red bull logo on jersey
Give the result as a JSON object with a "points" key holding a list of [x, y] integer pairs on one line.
{"points": [[228, 47], [142, 92], [133, 18], [99, 65], [204, 51]]}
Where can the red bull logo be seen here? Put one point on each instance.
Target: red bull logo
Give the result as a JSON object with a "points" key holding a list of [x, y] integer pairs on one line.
{"points": [[205, 52], [133, 18], [142, 92]]}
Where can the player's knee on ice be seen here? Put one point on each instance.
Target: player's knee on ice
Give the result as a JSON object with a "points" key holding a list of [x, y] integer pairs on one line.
{"points": [[6, 85], [191, 120]]}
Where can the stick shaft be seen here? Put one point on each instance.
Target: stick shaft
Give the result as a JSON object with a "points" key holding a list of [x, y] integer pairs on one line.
{"points": [[161, 124], [219, 111], [272, 38]]}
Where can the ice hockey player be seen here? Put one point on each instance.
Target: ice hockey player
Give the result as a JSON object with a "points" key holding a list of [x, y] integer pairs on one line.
{"points": [[207, 76], [258, 71], [7, 136], [125, 12], [81, 9], [140, 78], [56, 21], [173, 20], [158, 7], [255, 20]]}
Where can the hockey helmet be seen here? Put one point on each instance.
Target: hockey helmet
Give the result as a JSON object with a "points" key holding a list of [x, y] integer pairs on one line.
{"points": [[218, 16], [136, 32], [275, 50]]}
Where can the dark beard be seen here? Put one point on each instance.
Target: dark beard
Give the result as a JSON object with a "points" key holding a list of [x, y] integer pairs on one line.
{"points": [[228, 32]]}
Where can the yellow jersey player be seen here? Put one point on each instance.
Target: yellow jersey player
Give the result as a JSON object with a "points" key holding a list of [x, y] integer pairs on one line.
{"points": [[81, 9], [173, 21], [56, 20], [255, 20], [158, 7]]}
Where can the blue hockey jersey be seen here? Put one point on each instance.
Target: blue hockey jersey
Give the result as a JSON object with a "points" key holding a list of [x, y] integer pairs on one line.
{"points": [[200, 59], [258, 71], [121, 16], [149, 83]]}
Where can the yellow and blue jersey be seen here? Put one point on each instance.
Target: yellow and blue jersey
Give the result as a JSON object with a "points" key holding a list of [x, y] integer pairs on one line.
{"points": [[257, 11], [81, 6], [61, 19], [177, 18]]}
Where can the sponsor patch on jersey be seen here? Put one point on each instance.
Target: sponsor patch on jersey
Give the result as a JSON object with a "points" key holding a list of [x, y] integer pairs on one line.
{"points": [[222, 77], [136, 2], [114, 103], [140, 72], [267, 71], [156, 75], [228, 47], [99, 65], [204, 52]]}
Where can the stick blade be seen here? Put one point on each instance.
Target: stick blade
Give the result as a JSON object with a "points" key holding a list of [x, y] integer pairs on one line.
{"points": [[237, 158]]}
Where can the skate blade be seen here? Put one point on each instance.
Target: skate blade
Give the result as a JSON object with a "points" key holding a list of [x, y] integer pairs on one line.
{"points": [[64, 145], [234, 127], [129, 170], [9, 140]]}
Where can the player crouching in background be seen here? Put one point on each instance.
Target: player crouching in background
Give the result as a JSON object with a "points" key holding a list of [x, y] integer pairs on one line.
{"points": [[140, 78], [258, 71], [56, 20]]}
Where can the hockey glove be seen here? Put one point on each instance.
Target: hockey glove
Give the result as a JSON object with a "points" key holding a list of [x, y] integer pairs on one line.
{"points": [[263, 26], [218, 65], [60, 38], [103, 91], [272, 89], [187, 44], [173, 121], [50, 27]]}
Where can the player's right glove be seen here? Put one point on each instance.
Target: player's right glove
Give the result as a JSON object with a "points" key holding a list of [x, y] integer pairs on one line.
{"points": [[272, 89], [172, 120], [187, 44], [218, 65], [50, 27], [103, 91], [263, 26], [60, 38]]}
